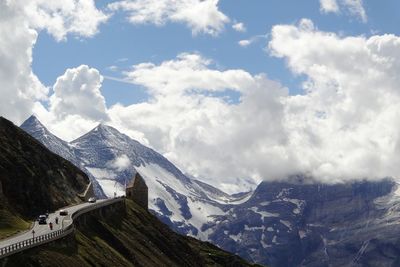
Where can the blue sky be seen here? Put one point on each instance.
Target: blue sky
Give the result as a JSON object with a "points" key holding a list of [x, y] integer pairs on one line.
{"points": [[308, 87], [123, 45]]}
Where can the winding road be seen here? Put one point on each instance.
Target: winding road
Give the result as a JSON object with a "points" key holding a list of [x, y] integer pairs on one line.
{"points": [[43, 230]]}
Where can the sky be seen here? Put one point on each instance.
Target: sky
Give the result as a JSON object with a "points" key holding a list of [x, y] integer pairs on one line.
{"points": [[232, 92]]}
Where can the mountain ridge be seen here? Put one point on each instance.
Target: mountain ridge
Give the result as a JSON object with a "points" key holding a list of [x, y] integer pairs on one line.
{"points": [[295, 223], [113, 158]]}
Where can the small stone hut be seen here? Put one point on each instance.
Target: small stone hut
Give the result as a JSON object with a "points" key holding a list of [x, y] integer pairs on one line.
{"points": [[138, 191]]}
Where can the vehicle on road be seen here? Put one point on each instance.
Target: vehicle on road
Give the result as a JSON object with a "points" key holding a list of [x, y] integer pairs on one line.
{"points": [[92, 200], [42, 219], [63, 212]]}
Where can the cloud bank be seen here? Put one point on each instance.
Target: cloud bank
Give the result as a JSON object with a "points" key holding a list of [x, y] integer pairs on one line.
{"points": [[343, 127], [222, 124]]}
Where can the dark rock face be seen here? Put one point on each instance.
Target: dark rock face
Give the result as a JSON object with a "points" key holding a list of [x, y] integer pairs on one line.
{"points": [[286, 224], [36, 129], [33, 179]]}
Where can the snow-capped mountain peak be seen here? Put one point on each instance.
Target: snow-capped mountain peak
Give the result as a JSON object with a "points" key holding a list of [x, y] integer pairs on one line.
{"points": [[112, 158], [36, 129], [58, 146]]}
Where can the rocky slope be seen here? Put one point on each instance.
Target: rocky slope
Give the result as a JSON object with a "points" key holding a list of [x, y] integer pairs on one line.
{"points": [[33, 126], [112, 159], [32, 178], [300, 224]]}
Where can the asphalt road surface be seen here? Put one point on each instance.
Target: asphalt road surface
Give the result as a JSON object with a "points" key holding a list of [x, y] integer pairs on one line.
{"points": [[41, 229]]}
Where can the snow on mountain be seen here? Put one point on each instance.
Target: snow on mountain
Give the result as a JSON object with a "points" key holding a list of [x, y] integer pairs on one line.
{"points": [[58, 146], [293, 223], [36, 129], [113, 158]]}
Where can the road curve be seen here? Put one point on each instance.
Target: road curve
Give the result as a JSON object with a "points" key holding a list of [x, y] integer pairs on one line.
{"points": [[64, 223]]}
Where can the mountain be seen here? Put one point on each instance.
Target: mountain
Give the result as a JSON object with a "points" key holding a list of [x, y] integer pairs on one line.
{"points": [[113, 158], [302, 224], [58, 146], [295, 223], [32, 178]]}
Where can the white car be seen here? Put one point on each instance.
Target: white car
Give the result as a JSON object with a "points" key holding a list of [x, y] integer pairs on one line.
{"points": [[92, 200]]}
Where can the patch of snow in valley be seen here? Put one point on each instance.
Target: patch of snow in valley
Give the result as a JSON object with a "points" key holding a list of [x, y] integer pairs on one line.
{"points": [[264, 214], [287, 224], [247, 228], [237, 237]]}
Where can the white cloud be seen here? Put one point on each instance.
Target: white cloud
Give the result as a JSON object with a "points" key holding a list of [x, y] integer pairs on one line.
{"points": [[184, 118], [77, 92], [59, 18], [120, 163], [20, 24], [353, 7], [328, 6], [239, 27], [345, 126], [201, 16], [244, 42], [356, 8], [253, 39], [188, 73], [112, 68]]}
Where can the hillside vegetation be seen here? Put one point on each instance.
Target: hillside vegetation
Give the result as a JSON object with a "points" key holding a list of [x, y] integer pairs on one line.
{"points": [[128, 237], [33, 180]]}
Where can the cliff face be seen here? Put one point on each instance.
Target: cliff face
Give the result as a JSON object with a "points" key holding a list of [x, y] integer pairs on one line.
{"points": [[32, 178], [129, 236], [300, 224]]}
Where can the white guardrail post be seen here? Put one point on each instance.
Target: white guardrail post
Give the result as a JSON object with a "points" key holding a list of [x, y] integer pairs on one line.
{"points": [[49, 237]]}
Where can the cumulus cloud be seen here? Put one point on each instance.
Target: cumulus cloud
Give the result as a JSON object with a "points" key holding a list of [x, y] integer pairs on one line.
{"points": [[217, 124], [201, 16], [20, 24], [189, 72], [77, 92], [353, 7], [239, 27], [345, 126], [218, 139], [59, 18]]}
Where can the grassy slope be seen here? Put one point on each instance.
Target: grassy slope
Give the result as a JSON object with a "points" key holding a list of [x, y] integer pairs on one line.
{"points": [[31, 179], [132, 237], [11, 224]]}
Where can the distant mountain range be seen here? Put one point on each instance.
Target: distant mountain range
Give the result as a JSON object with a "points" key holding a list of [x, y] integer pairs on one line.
{"points": [[279, 224]]}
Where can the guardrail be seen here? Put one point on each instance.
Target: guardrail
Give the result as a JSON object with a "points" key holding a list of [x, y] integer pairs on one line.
{"points": [[57, 234]]}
